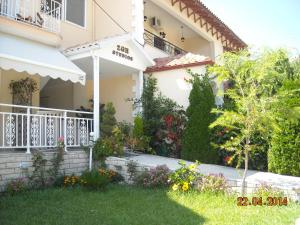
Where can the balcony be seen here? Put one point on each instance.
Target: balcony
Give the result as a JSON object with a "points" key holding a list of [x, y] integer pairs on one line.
{"points": [[45, 14], [158, 42]]}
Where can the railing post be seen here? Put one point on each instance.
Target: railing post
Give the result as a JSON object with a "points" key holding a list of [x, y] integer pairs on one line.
{"points": [[28, 131], [65, 130]]}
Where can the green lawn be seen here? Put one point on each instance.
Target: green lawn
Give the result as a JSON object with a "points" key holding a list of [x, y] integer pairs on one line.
{"points": [[122, 205]]}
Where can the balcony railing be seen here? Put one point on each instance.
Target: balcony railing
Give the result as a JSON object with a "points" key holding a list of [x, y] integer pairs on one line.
{"points": [[30, 127], [45, 14], [162, 44]]}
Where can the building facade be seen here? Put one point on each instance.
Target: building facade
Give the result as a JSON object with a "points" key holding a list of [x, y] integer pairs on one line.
{"points": [[83, 52]]}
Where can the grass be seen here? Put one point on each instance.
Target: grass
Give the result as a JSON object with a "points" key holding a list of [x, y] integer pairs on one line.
{"points": [[122, 205]]}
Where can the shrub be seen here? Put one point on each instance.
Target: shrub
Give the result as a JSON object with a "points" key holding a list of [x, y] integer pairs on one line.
{"points": [[109, 146], [138, 141], [212, 183], [113, 176], [185, 177], [284, 155], [196, 137], [109, 121], [16, 186], [154, 178], [264, 190], [94, 180]]}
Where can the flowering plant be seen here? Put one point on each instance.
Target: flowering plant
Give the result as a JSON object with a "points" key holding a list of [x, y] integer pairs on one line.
{"points": [[213, 182], [16, 186], [61, 142], [153, 178], [184, 178]]}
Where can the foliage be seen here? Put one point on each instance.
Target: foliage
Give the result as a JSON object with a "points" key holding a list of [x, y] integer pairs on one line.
{"points": [[150, 108], [125, 129], [73, 181], [22, 90], [215, 183], [109, 146], [154, 178], [155, 108], [113, 176], [138, 141], [255, 80], [196, 136], [57, 159], [16, 186], [38, 179], [284, 154], [185, 177], [109, 121], [170, 133], [94, 180], [264, 190]]}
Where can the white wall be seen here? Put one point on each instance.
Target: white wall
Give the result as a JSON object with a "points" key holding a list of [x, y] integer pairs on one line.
{"points": [[172, 84]]}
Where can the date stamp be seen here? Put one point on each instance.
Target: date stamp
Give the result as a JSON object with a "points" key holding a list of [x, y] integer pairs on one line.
{"points": [[259, 201]]}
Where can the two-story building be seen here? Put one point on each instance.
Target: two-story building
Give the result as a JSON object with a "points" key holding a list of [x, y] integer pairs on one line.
{"points": [[82, 50]]}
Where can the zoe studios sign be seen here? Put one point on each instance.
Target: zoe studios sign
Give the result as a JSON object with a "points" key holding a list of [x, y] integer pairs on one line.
{"points": [[123, 52]]}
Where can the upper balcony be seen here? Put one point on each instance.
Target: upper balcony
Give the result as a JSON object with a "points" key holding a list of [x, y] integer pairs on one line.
{"points": [[44, 14], [158, 42]]}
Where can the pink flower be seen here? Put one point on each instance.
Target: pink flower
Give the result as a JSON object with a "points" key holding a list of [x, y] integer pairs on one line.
{"points": [[61, 139]]}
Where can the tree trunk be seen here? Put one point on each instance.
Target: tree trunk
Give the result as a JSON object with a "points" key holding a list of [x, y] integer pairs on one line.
{"points": [[245, 171]]}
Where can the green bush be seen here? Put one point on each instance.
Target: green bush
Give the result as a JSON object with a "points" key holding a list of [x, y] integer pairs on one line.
{"points": [[109, 121], [94, 180], [16, 186], [109, 146], [185, 177], [138, 127], [284, 155], [196, 137]]}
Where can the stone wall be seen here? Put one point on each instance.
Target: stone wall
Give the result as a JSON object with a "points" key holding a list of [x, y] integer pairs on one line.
{"points": [[16, 165]]}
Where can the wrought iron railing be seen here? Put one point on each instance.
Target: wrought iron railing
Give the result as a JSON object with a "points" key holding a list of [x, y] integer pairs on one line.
{"points": [[162, 44], [35, 127], [45, 14]]}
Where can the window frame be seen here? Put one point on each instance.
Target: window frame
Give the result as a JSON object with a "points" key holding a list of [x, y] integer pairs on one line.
{"points": [[70, 22]]}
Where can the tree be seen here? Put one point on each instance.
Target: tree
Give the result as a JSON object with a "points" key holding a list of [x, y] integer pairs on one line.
{"points": [[252, 93], [109, 120], [196, 137]]}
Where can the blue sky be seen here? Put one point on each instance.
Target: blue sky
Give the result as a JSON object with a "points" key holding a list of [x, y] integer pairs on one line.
{"points": [[261, 23]]}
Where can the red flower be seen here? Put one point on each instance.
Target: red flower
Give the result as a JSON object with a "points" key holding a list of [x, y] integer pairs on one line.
{"points": [[227, 159], [171, 136], [169, 120]]}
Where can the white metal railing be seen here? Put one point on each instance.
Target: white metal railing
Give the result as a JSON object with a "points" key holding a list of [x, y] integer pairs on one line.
{"points": [[36, 127], [45, 14]]}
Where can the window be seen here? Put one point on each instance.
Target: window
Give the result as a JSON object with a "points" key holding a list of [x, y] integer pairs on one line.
{"points": [[75, 12]]}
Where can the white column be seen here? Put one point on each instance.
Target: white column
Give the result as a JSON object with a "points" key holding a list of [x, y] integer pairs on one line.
{"points": [[96, 99], [139, 89]]}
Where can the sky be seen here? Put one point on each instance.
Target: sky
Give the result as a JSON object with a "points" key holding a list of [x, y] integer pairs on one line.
{"points": [[261, 23]]}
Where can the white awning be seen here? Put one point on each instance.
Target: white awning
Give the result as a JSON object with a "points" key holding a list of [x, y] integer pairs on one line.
{"points": [[24, 55]]}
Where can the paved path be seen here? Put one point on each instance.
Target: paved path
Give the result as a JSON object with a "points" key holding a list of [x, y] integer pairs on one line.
{"points": [[253, 177]]}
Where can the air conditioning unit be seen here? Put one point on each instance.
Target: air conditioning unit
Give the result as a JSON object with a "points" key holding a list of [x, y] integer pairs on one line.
{"points": [[155, 23]]}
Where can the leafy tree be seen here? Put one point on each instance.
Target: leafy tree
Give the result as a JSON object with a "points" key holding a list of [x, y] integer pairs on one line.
{"points": [[196, 137], [252, 93], [109, 121]]}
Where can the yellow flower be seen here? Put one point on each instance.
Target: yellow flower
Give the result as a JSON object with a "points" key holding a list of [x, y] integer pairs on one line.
{"points": [[185, 186], [175, 187], [192, 167]]}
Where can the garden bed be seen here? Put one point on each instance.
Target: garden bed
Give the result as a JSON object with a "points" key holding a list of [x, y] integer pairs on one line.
{"points": [[119, 205]]}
